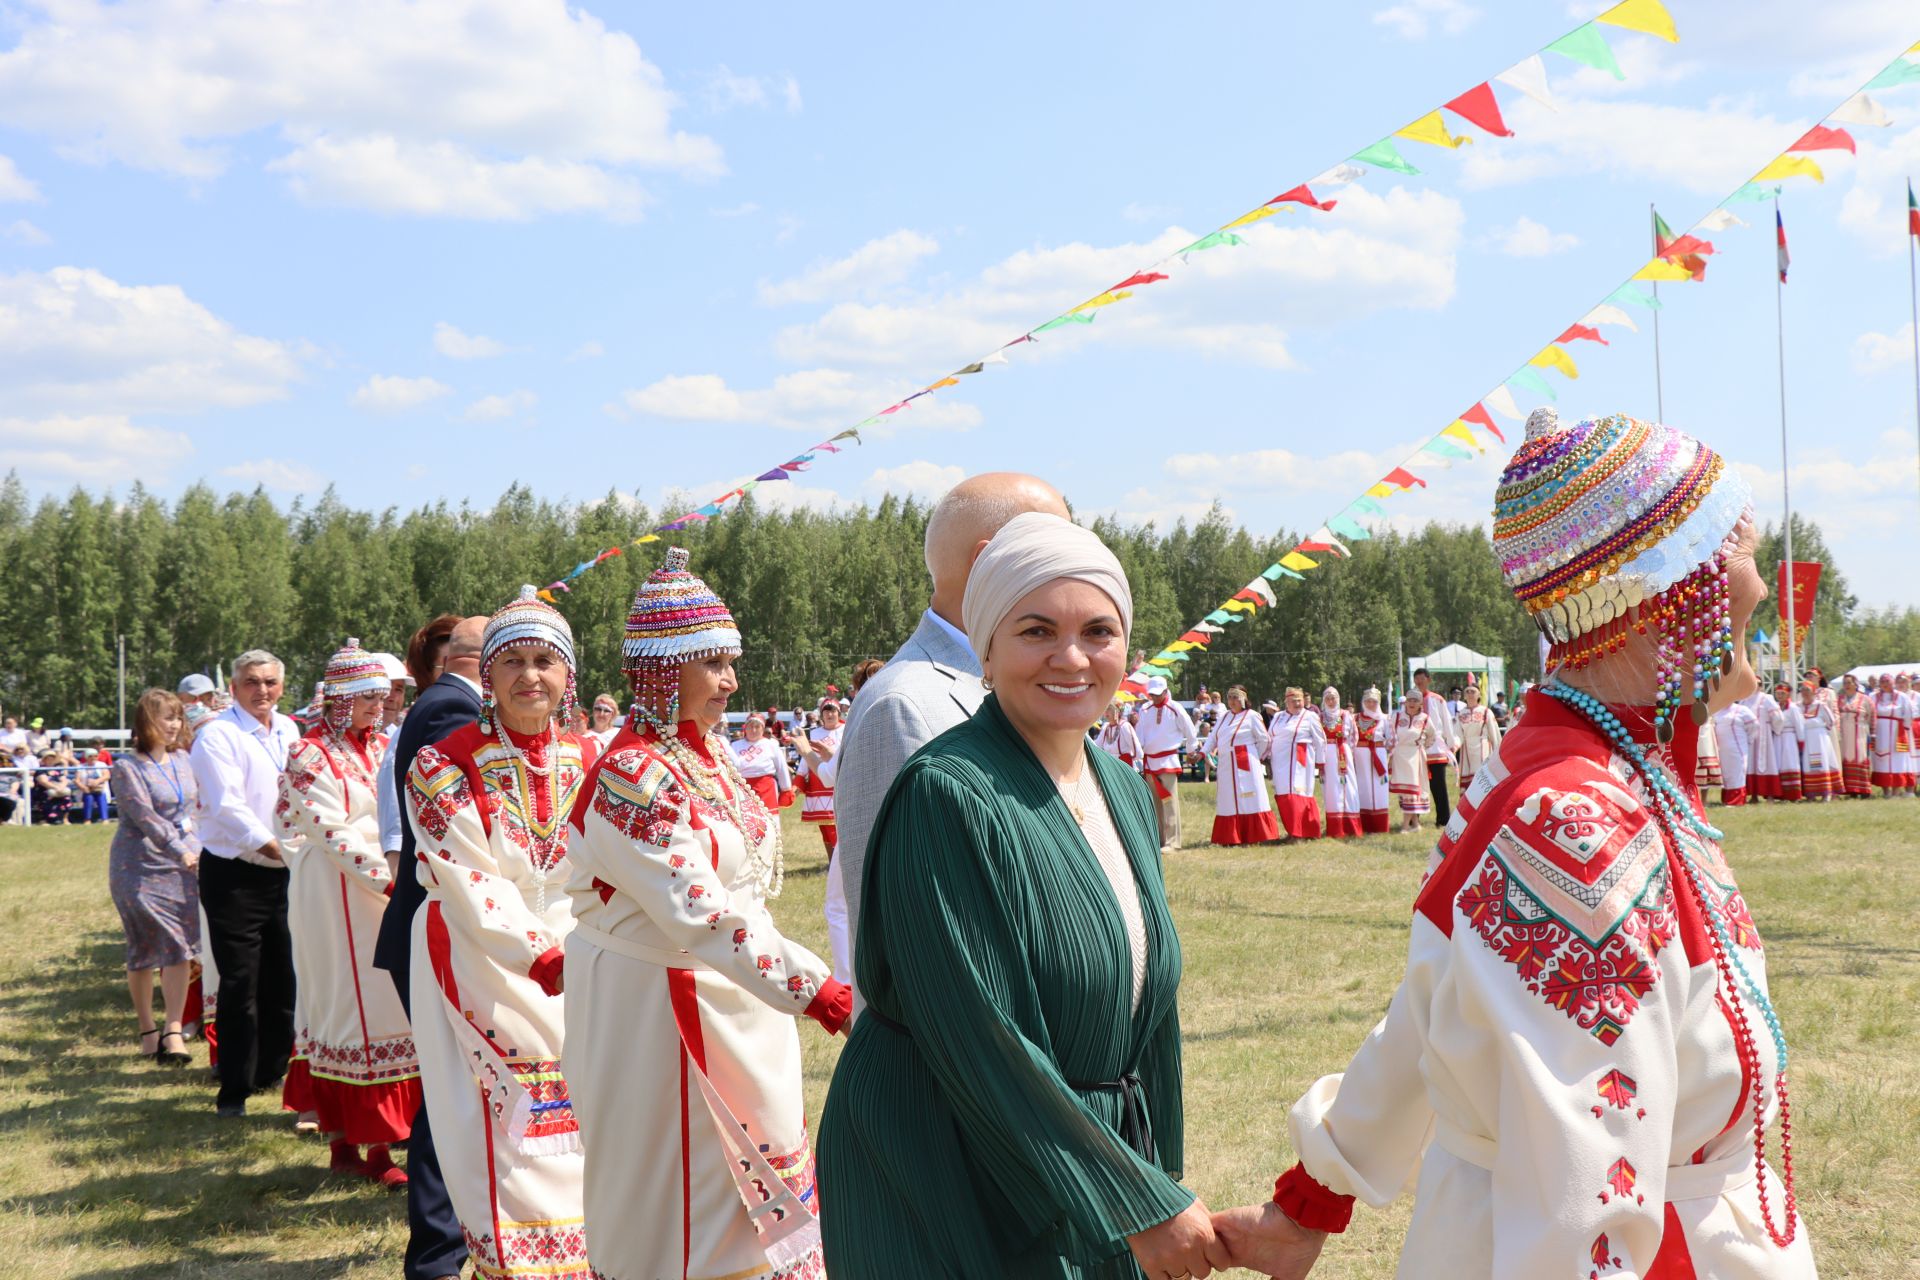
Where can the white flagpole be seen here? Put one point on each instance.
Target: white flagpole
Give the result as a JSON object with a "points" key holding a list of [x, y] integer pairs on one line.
{"points": [[1790, 658], [1659, 393]]}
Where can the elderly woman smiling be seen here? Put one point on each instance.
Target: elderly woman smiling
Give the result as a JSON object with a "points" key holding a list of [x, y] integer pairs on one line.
{"points": [[1009, 1103]]}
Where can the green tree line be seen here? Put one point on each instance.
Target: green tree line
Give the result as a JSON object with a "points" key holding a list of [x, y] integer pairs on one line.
{"points": [[188, 584]]}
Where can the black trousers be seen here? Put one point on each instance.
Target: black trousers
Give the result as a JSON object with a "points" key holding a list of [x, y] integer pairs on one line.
{"points": [[435, 1244], [247, 921], [1437, 784]]}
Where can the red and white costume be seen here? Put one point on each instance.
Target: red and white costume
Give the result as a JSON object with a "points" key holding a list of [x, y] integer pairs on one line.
{"points": [[681, 996], [1853, 733], [1819, 757], [1410, 739], [816, 781], [1763, 775], [1340, 773], [1242, 810], [1733, 727], [1371, 731], [1479, 740], [1706, 769], [1297, 743], [489, 810], [1785, 727], [1558, 1078], [1892, 740], [1118, 739], [362, 1075], [1166, 734], [764, 765]]}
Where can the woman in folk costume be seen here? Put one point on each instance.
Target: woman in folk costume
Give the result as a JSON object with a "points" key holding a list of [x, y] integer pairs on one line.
{"points": [[1580, 1068], [681, 991], [1853, 733], [763, 763], [1296, 743], [1118, 739], [1907, 688], [1009, 1102], [1242, 810], [1819, 757], [1339, 768], [489, 806], [1733, 727], [1372, 729], [819, 762], [1479, 735], [1409, 734], [1706, 765], [1892, 757], [1763, 775], [1787, 729], [362, 1075]]}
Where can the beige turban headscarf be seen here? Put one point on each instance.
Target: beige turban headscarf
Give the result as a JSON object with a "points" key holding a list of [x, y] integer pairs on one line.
{"points": [[1031, 550]]}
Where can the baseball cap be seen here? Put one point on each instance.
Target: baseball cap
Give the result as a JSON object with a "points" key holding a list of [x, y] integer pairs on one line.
{"points": [[396, 670], [1156, 685], [194, 686]]}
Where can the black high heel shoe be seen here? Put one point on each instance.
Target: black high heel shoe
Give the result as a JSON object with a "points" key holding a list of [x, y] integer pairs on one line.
{"points": [[179, 1057], [144, 1051]]}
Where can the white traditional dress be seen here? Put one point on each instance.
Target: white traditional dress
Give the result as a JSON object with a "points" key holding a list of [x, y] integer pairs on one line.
{"points": [[1559, 1077], [1763, 776], [489, 812], [1118, 739], [1409, 739], [1296, 744], [1733, 728], [1242, 808], [1339, 773], [1853, 734], [1479, 739], [681, 995], [816, 784], [764, 765], [1819, 757], [363, 1073], [1371, 746], [1785, 728], [1892, 741], [1706, 769]]}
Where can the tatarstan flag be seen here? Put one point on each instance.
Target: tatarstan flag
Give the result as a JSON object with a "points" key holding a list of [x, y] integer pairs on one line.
{"points": [[1913, 211], [1685, 251]]}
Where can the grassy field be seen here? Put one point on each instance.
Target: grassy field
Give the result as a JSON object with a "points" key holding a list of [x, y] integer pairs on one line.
{"points": [[114, 1169]]}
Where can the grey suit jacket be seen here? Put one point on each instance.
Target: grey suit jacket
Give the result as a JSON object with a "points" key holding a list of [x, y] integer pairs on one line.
{"points": [[930, 685]]}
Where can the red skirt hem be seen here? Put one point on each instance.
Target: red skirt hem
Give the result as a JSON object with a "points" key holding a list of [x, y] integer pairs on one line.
{"points": [[1245, 828], [360, 1113], [1344, 826], [1892, 781], [1733, 796], [1374, 822], [1766, 786], [296, 1091], [1300, 816]]}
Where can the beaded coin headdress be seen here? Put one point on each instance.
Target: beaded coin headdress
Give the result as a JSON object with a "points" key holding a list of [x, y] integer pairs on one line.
{"points": [[1616, 526], [676, 619], [528, 620], [350, 672]]}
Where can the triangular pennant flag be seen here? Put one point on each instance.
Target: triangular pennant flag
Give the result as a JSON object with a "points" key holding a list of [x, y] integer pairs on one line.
{"points": [[1752, 193], [1339, 175], [1607, 313], [1533, 382], [646, 537], [1478, 106], [1821, 138], [1106, 299], [1260, 588], [1435, 453], [975, 367], [1901, 72], [1649, 16], [1139, 278], [1072, 317], [546, 595], [998, 357], [1582, 333], [1404, 478], [948, 381], [1207, 627], [1502, 399], [1248, 219], [1212, 240], [1386, 156], [1720, 220], [1323, 540], [1179, 646], [1174, 657], [1632, 296], [1277, 571], [1303, 194], [1479, 415], [831, 447], [1460, 431], [1195, 638], [1237, 606], [1529, 76], [1791, 167], [1687, 246], [1294, 560], [1554, 357], [1349, 528], [1448, 449], [1381, 489], [609, 553], [894, 408], [1658, 269], [1587, 46], [1314, 544], [1860, 109], [775, 474], [1219, 615], [749, 486], [1431, 129]]}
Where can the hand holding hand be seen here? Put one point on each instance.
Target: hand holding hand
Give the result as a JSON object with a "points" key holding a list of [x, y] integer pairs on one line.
{"points": [[1262, 1238], [1184, 1245]]}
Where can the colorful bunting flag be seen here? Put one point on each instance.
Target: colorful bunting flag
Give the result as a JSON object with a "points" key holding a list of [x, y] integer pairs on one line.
{"points": [[1899, 73], [1478, 106], [1368, 505], [1821, 138], [1555, 357], [1248, 219], [1790, 167], [1212, 240], [1295, 561], [1278, 571], [1431, 129], [1720, 220], [1587, 46], [1582, 333], [1502, 399], [1404, 478], [1139, 278], [1303, 194], [1458, 430], [1480, 417], [1529, 76], [1106, 299], [1658, 269], [1607, 313], [1860, 109], [1349, 528], [1533, 382], [1386, 156], [1752, 193], [1628, 294], [1649, 16], [1072, 317]]}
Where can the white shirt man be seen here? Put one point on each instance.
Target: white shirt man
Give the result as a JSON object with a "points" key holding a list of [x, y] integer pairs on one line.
{"points": [[1166, 735], [1446, 737]]}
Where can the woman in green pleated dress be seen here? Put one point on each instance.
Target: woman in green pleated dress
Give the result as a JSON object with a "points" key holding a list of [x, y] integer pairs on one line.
{"points": [[1009, 1103]]}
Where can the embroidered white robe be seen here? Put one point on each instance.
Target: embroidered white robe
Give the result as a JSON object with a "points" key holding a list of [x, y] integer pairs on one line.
{"points": [[1732, 729], [1119, 740], [1410, 741], [1371, 750], [1242, 807], [1479, 735], [1339, 773], [1297, 741], [1819, 756], [1892, 740]]}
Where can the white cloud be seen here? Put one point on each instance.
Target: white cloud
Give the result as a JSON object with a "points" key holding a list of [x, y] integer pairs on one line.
{"points": [[745, 209], [277, 473], [1875, 207], [72, 340], [919, 478], [1528, 239], [499, 408], [1417, 19], [384, 393], [93, 449], [16, 188], [20, 231], [1862, 499], [587, 351], [455, 345], [1137, 212], [726, 90], [875, 266], [811, 399], [1878, 352], [469, 108]]}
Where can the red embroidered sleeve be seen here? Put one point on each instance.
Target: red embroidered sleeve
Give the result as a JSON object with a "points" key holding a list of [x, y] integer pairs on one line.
{"points": [[1310, 1203]]}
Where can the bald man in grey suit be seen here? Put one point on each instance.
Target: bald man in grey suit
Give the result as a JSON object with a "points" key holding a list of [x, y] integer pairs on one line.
{"points": [[931, 684]]}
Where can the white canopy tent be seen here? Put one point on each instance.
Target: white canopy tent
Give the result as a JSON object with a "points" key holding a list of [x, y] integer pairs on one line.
{"points": [[1447, 666], [1870, 675]]}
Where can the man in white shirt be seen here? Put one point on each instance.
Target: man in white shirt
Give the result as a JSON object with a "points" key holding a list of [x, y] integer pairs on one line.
{"points": [[237, 759], [12, 736], [1167, 736], [1446, 737]]}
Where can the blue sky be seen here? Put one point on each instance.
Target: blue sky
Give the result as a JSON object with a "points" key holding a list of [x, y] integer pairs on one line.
{"points": [[425, 250]]}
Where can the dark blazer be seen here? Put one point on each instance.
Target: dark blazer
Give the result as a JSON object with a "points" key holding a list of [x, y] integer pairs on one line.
{"points": [[448, 704]]}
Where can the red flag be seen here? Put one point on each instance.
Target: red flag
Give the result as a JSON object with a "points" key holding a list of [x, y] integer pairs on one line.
{"points": [[1197, 637], [1686, 246], [1806, 581], [1302, 194], [1311, 545], [1138, 277], [1478, 106], [1480, 415], [1588, 332], [1404, 478], [1913, 211], [1821, 138]]}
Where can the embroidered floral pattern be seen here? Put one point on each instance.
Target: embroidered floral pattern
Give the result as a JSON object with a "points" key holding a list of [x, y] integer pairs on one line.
{"points": [[639, 798], [531, 1251], [1618, 1090]]}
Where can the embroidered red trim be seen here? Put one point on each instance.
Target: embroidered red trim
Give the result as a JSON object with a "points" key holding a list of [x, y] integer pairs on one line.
{"points": [[1311, 1203]]}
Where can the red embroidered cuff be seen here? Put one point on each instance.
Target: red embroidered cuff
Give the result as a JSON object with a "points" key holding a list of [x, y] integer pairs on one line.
{"points": [[832, 1006], [388, 891], [546, 970], [1311, 1204]]}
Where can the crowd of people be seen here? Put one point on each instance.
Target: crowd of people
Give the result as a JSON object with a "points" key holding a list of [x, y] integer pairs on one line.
{"points": [[535, 944]]}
